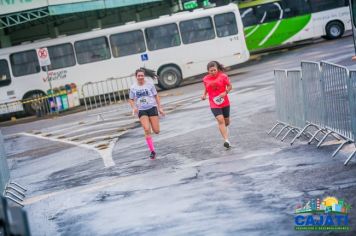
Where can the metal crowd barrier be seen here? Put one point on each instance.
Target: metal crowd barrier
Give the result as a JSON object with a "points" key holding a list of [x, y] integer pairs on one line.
{"points": [[109, 92], [352, 98], [13, 220], [320, 97], [289, 102], [39, 104], [296, 96], [4, 169], [279, 77], [106, 92], [10, 107], [10, 190]]}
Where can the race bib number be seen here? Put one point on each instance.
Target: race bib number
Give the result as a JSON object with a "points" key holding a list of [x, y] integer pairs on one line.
{"points": [[143, 100], [218, 100]]}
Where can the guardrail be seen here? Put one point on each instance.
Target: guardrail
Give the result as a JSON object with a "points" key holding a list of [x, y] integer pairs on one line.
{"points": [[13, 220], [320, 97], [10, 190], [108, 92]]}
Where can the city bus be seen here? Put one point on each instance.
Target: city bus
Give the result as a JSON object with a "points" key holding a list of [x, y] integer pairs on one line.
{"points": [[176, 46], [272, 23]]}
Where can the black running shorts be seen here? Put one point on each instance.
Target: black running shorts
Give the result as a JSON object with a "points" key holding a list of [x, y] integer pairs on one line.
{"points": [[150, 112], [225, 111]]}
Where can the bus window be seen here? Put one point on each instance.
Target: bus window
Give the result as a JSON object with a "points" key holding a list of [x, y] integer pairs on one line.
{"points": [[24, 63], [249, 17], [5, 78], [92, 50], [128, 43], [196, 30], [269, 12], [61, 56], [324, 5], [296, 8], [163, 36], [225, 24]]}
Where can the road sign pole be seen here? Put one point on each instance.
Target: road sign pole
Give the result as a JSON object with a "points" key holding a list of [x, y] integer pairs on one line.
{"points": [[52, 93], [45, 61]]}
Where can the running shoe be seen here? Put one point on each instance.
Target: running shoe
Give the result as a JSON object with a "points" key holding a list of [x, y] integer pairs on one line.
{"points": [[227, 144], [153, 155]]}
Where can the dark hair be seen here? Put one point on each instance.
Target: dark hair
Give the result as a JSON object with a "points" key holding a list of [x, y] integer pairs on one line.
{"points": [[215, 64], [139, 70]]}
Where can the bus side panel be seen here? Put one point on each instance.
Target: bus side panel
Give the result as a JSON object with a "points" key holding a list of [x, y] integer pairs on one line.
{"points": [[299, 28], [320, 19], [20, 85], [278, 32]]}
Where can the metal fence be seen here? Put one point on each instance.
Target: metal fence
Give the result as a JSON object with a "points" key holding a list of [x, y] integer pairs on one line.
{"points": [[106, 92], [4, 169], [289, 105], [41, 105], [10, 190], [320, 97], [109, 92]]}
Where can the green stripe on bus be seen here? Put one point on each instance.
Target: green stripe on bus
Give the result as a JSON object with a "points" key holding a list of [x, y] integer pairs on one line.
{"points": [[287, 29], [258, 35]]}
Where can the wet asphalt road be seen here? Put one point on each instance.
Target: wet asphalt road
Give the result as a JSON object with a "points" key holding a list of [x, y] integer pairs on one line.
{"points": [[89, 177]]}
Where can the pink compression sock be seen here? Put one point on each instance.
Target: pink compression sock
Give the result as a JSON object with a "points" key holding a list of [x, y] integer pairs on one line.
{"points": [[150, 143]]}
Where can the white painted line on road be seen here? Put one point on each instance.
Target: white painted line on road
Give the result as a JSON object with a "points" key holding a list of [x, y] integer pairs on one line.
{"points": [[104, 137], [105, 155], [90, 133], [92, 126]]}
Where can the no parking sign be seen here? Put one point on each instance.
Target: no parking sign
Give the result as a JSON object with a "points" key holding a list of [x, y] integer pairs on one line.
{"points": [[43, 56]]}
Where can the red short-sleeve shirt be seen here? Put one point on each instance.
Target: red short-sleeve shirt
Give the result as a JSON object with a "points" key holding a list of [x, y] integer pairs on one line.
{"points": [[215, 85]]}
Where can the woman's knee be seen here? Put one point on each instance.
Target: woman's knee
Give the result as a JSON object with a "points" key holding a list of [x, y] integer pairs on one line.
{"points": [[227, 122], [156, 131], [147, 131], [221, 121]]}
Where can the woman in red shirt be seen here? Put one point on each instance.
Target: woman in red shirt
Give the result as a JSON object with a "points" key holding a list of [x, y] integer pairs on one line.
{"points": [[217, 86]]}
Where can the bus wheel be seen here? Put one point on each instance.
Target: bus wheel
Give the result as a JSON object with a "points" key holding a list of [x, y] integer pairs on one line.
{"points": [[169, 77], [334, 30], [30, 108]]}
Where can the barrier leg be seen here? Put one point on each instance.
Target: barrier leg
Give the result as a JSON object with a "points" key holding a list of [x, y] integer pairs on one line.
{"points": [[15, 190], [315, 134], [19, 186], [284, 127], [336, 137], [285, 136], [323, 139], [15, 201], [300, 133], [350, 157], [340, 147], [269, 132], [7, 192]]}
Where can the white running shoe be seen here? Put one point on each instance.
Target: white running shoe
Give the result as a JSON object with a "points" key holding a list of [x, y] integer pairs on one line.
{"points": [[227, 144]]}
